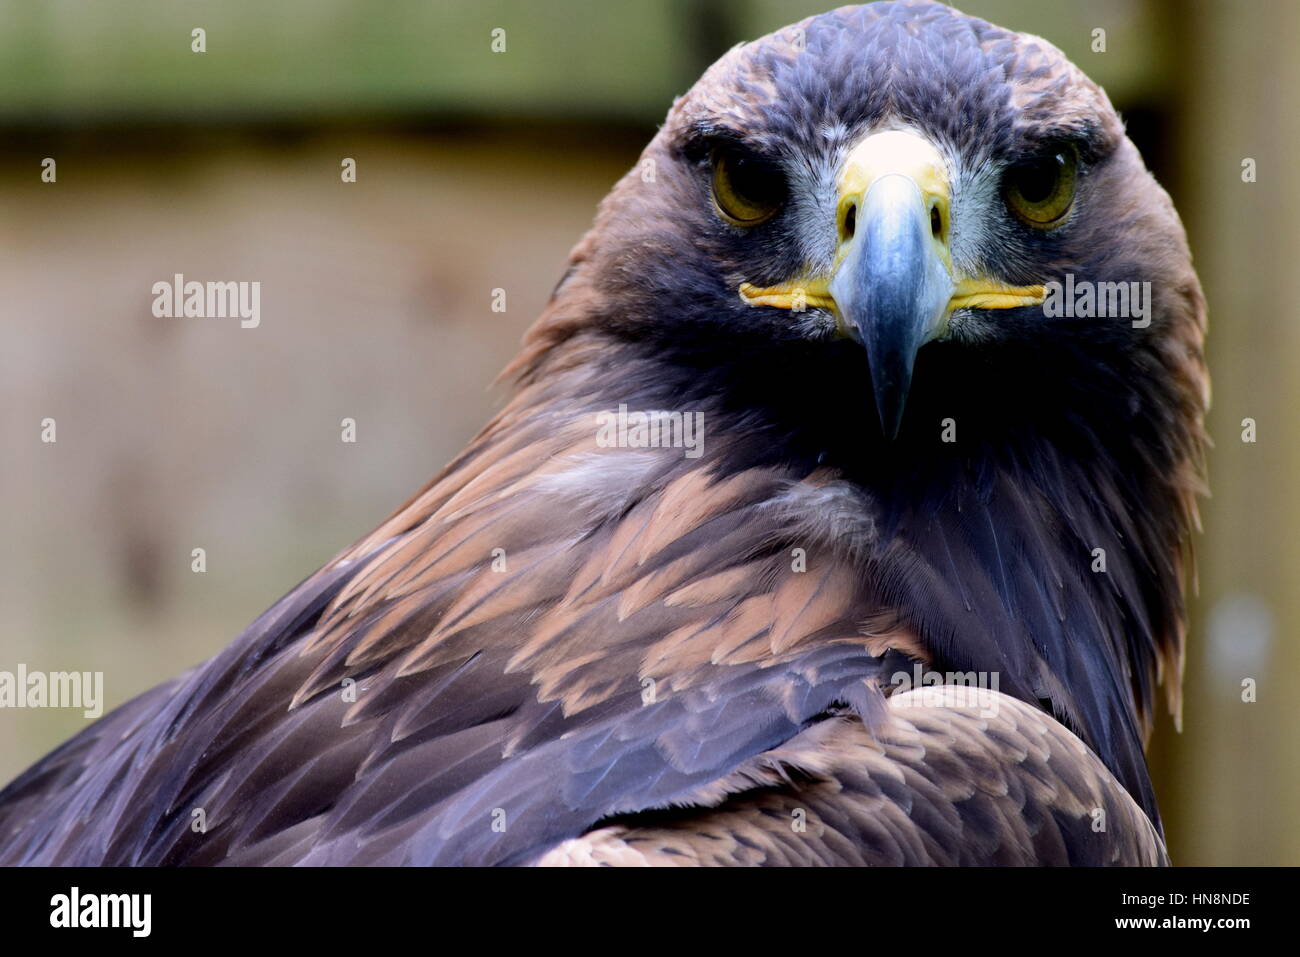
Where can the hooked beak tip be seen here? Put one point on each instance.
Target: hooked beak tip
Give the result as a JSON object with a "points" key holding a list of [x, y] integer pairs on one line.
{"points": [[890, 387]]}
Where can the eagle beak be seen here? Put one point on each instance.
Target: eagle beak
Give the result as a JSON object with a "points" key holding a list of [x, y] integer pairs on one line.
{"points": [[892, 286]]}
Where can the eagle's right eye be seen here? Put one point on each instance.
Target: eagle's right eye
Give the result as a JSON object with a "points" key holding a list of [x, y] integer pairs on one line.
{"points": [[747, 189]]}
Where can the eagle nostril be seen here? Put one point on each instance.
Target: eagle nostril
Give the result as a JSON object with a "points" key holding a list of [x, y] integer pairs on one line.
{"points": [[936, 222], [850, 221]]}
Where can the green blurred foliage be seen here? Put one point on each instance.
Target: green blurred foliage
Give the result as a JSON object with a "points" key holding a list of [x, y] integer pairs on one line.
{"points": [[69, 61]]}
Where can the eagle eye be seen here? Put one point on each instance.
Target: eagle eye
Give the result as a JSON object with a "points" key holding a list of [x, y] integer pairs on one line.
{"points": [[747, 189], [1040, 191]]}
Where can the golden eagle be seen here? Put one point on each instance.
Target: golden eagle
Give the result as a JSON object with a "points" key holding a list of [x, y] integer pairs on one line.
{"points": [[839, 515]]}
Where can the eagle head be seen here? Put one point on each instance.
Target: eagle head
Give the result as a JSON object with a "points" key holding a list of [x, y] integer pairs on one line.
{"points": [[943, 215]]}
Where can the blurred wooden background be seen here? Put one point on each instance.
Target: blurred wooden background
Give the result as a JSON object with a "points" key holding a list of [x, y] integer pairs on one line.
{"points": [[479, 171]]}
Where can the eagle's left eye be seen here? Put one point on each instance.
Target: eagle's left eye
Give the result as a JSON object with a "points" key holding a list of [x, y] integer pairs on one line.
{"points": [[747, 189], [1040, 191]]}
